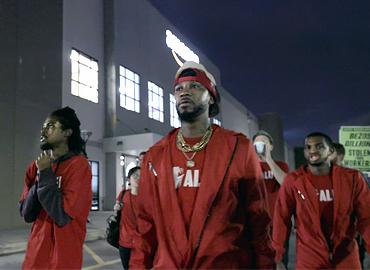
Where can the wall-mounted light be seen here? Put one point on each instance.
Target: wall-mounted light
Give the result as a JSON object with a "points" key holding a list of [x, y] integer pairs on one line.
{"points": [[122, 160], [86, 134]]}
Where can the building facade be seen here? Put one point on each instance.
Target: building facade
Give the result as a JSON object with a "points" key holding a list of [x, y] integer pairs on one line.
{"points": [[113, 61]]}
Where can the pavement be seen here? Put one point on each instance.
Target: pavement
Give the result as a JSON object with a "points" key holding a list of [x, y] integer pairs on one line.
{"points": [[98, 254], [15, 240]]}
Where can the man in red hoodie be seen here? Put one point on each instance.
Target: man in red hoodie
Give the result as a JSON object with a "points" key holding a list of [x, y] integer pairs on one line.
{"points": [[196, 187], [57, 195], [326, 201]]}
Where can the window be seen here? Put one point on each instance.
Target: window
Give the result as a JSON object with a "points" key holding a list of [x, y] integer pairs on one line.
{"points": [[129, 89], [95, 185], [84, 79], [155, 102], [174, 120], [216, 121]]}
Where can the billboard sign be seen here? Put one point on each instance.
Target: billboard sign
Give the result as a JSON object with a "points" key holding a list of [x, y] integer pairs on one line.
{"points": [[356, 141]]}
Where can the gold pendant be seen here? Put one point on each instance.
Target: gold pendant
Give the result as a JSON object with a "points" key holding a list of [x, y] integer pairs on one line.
{"points": [[190, 163]]}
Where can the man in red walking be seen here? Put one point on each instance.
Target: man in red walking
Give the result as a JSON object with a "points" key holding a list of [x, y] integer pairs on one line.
{"points": [[196, 187], [273, 174], [329, 203]]}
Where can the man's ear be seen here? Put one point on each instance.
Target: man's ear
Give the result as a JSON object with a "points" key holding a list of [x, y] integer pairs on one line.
{"points": [[211, 99]]}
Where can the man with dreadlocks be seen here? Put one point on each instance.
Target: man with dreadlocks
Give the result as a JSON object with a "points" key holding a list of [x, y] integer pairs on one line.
{"points": [[57, 195]]}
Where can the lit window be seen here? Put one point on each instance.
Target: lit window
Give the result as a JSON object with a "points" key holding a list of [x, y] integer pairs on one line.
{"points": [[216, 121], [174, 120], [129, 89], [84, 76], [155, 102]]}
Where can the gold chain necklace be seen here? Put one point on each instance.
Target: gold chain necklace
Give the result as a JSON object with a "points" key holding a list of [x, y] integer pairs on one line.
{"points": [[185, 147]]}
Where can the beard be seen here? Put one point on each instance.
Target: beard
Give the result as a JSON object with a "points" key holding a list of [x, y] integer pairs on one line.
{"points": [[46, 146], [318, 164], [191, 117]]}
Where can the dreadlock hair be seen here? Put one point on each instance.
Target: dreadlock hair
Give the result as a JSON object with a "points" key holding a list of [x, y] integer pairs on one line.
{"points": [[68, 119], [328, 140], [214, 109]]}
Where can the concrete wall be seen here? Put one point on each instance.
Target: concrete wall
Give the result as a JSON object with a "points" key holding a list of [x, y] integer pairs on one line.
{"points": [[86, 35], [8, 75], [272, 123], [289, 156], [112, 167], [236, 117], [30, 89]]}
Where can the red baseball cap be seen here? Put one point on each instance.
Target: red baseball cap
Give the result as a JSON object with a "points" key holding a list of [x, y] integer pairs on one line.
{"points": [[202, 76]]}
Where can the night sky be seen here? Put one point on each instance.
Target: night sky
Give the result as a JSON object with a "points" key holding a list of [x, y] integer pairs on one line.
{"points": [[307, 60]]}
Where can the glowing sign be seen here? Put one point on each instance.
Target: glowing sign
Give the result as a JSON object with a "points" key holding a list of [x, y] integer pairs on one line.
{"points": [[179, 48]]}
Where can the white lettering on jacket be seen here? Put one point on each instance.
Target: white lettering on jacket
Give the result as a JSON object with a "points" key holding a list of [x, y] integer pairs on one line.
{"points": [[325, 195], [191, 177], [268, 175]]}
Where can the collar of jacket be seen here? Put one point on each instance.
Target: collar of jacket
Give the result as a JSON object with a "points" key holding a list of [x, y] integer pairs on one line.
{"points": [[65, 157]]}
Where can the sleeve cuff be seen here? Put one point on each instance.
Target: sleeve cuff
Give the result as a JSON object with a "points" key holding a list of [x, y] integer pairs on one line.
{"points": [[47, 177]]}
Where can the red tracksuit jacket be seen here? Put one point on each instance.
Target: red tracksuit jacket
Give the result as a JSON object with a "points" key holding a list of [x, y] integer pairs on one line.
{"points": [[128, 220], [162, 241], [298, 197]]}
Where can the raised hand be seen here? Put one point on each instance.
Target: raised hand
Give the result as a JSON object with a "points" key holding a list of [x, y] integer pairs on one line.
{"points": [[43, 161]]}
